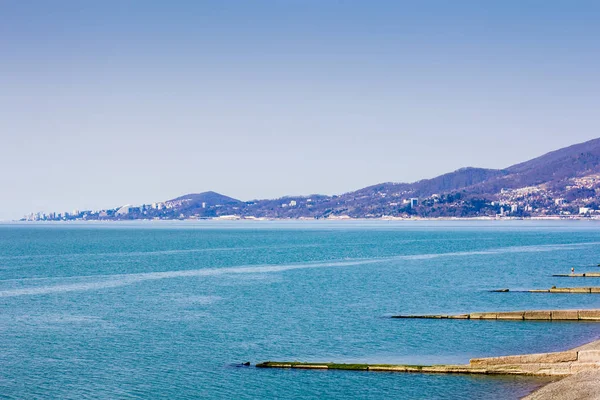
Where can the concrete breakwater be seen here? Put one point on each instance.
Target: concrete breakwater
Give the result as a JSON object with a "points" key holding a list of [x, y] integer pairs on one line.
{"points": [[530, 315], [589, 289], [582, 275], [554, 289], [583, 358], [580, 367]]}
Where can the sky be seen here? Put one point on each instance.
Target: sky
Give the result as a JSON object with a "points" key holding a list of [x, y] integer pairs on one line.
{"points": [[105, 103]]}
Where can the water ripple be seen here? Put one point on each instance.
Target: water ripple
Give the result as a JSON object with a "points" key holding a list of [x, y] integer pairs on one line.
{"points": [[119, 280]]}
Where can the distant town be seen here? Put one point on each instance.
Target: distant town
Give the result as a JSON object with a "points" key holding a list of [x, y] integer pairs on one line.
{"points": [[527, 202], [563, 184]]}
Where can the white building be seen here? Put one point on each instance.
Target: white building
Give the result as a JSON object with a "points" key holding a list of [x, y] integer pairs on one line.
{"points": [[124, 210]]}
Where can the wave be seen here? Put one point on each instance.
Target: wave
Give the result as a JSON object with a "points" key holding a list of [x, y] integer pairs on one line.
{"points": [[217, 249], [112, 281], [502, 250], [118, 280], [150, 253]]}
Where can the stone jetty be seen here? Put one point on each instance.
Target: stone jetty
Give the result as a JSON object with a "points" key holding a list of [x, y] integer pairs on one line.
{"points": [[578, 368], [554, 289], [564, 363], [530, 315], [582, 275], [588, 289]]}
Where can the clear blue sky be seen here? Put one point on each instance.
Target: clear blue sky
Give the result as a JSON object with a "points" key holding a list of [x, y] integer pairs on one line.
{"points": [[105, 103]]}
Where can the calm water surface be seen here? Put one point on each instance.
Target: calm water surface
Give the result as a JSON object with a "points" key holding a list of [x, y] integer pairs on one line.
{"points": [[166, 310]]}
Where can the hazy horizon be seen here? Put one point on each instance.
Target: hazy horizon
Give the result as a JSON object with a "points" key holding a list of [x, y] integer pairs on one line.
{"points": [[115, 103]]}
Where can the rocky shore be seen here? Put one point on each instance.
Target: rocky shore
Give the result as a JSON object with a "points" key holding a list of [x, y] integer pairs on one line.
{"points": [[581, 386]]}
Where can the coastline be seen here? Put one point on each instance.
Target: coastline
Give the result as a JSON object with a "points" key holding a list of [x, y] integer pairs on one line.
{"points": [[578, 370], [236, 218], [581, 385], [344, 223], [553, 364]]}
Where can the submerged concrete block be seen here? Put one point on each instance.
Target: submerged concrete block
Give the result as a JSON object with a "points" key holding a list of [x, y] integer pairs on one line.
{"points": [[589, 315], [549, 369], [559, 357], [565, 315], [310, 366], [396, 368], [450, 369], [560, 290], [270, 364], [571, 290], [586, 356], [514, 315], [537, 315], [578, 367], [509, 369], [580, 290], [483, 315]]}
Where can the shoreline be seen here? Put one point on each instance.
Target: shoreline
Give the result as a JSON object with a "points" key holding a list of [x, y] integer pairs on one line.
{"points": [[229, 219], [560, 364], [580, 385], [577, 370], [551, 336], [583, 385]]}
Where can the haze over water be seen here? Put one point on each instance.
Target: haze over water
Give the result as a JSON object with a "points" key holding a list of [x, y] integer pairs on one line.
{"points": [[166, 310]]}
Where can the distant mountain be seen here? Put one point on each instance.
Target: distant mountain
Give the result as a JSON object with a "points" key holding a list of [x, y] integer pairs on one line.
{"points": [[564, 182], [456, 180], [577, 160], [207, 198], [205, 204], [552, 168], [588, 152]]}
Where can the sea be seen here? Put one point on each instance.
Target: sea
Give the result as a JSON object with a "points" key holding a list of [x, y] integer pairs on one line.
{"points": [[154, 310]]}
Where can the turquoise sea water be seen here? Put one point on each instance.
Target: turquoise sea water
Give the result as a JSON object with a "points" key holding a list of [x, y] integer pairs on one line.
{"points": [[166, 310]]}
